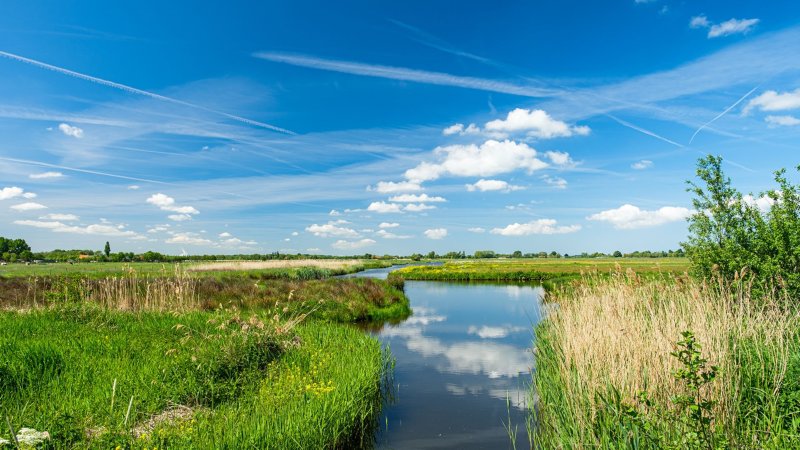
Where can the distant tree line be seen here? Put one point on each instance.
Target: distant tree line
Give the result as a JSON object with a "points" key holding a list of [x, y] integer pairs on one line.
{"points": [[12, 250]]}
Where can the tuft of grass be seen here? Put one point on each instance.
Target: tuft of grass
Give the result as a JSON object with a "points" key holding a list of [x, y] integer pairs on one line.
{"points": [[609, 340]]}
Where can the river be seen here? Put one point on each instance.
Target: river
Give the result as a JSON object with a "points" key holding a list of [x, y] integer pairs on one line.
{"points": [[463, 366]]}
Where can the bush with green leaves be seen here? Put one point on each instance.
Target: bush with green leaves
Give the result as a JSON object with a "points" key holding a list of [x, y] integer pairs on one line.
{"points": [[733, 235]]}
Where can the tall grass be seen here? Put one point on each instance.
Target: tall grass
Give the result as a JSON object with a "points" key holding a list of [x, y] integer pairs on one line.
{"points": [[610, 339]]}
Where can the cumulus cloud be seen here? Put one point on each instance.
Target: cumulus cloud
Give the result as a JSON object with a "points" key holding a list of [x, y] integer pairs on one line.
{"points": [[384, 208], [418, 207], [494, 332], [492, 185], [167, 203], [56, 216], [541, 226], [436, 233], [43, 175], [534, 123], [490, 158], [101, 229], [556, 182], [389, 235], [642, 165], [729, 27], [69, 130], [561, 159], [10, 192], [782, 121], [459, 128], [28, 206], [29, 195], [414, 198], [774, 101], [332, 229], [628, 216], [225, 234], [763, 203], [384, 225], [391, 187], [352, 245]]}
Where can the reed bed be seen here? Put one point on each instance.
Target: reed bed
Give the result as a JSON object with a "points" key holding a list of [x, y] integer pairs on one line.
{"points": [[617, 335], [330, 264]]}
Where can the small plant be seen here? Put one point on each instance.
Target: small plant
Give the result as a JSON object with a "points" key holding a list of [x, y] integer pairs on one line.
{"points": [[695, 411]]}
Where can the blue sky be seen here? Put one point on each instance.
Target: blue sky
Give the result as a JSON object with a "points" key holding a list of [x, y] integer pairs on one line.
{"points": [[354, 127]]}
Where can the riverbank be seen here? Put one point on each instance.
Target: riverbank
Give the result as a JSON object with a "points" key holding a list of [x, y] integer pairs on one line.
{"points": [[188, 362], [614, 369], [538, 270]]}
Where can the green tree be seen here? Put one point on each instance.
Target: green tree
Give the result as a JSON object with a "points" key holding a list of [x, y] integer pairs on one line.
{"points": [[107, 249], [617, 254], [517, 254]]}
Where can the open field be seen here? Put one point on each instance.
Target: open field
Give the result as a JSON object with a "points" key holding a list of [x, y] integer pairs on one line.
{"points": [[181, 361], [538, 269], [611, 339], [304, 268]]}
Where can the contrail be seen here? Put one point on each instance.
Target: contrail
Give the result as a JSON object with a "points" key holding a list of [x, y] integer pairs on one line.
{"points": [[723, 112], [133, 90], [642, 130], [72, 169], [406, 74]]}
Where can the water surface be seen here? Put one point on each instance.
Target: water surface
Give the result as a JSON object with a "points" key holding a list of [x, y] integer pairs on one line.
{"points": [[463, 366]]}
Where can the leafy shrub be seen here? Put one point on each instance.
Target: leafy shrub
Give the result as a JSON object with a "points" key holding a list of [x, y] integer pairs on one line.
{"points": [[730, 236]]}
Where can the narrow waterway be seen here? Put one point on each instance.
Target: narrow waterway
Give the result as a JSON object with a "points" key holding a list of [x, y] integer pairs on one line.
{"points": [[463, 366]]}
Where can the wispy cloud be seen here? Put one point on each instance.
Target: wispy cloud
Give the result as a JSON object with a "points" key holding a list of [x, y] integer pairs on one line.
{"points": [[133, 90], [45, 175], [405, 74], [741, 99]]}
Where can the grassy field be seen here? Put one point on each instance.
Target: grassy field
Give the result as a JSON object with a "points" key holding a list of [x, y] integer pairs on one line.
{"points": [[298, 269], [538, 270], [146, 360], [612, 339]]}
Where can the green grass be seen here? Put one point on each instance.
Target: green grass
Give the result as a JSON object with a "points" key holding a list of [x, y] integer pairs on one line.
{"points": [[74, 372], [537, 270]]}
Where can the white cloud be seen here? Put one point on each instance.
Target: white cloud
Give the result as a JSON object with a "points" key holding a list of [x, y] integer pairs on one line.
{"points": [[561, 159], [10, 192], [418, 207], [388, 235], [534, 123], [459, 128], [436, 233], [774, 101], [783, 121], [628, 216], [55, 216], [732, 26], [295, 233], [556, 182], [188, 238], [700, 21], [69, 130], [490, 158], [351, 245], [313, 250], [179, 217], [541, 226], [493, 185], [167, 203], [641, 165], [476, 230], [94, 229], [414, 198], [391, 187], [29, 195], [763, 203], [388, 225], [490, 332], [383, 207], [453, 129], [332, 229], [225, 234], [334, 213], [39, 176], [133, 187], [28, 206]]}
